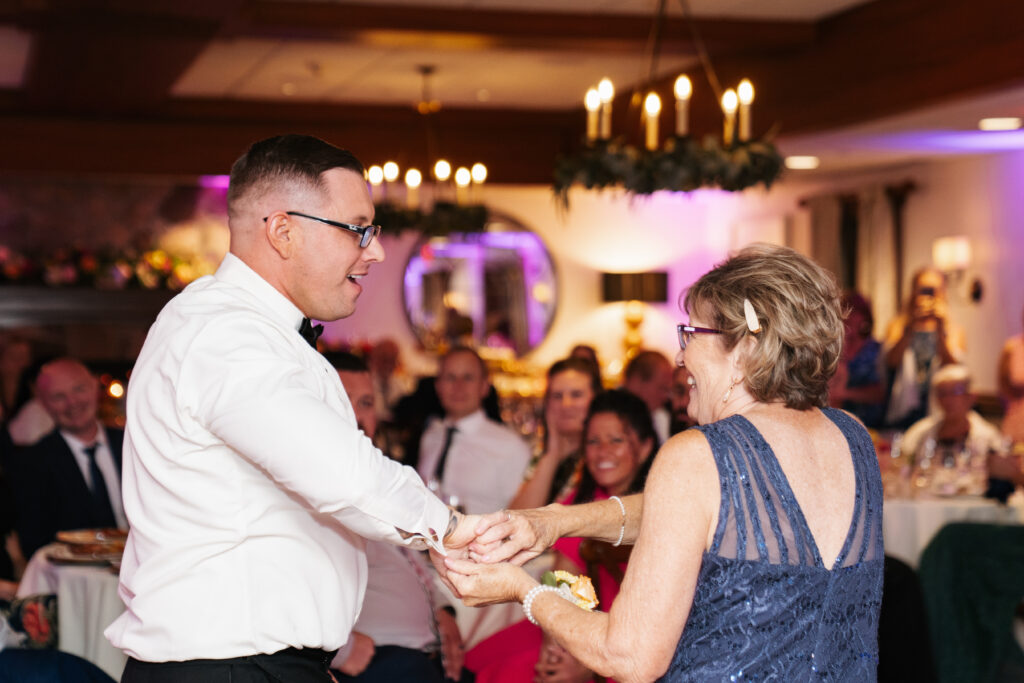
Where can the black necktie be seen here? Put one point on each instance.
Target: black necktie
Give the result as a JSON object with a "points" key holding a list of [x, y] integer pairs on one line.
{"points": [[100, 496], [439, 469], [310, 332]]}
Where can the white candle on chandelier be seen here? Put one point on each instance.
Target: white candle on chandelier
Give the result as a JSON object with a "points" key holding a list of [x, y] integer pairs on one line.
{"points": [[462, 180], [606, 91], [390, 176], [375, 174], [592, 103], [729, 103], [652, 108], [683, 91], [413, 178], [442, 170], [745, 92]]}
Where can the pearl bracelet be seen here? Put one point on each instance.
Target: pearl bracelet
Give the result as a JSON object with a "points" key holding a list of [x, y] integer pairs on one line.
{"points": [[528, 600], [622, 530]]}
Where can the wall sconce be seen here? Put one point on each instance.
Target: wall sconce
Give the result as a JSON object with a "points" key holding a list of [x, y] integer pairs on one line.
{"points": [[635, 289], [952, 255]]}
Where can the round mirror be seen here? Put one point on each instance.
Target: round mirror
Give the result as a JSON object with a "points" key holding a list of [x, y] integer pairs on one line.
{"points": [[492, 289]]}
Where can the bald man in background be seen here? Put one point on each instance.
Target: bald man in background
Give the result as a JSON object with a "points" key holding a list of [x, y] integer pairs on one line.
{"points": [[71, 478]]}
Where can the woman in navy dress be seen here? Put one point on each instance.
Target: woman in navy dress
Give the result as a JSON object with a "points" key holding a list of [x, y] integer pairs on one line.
{"points": [[758, 539]]}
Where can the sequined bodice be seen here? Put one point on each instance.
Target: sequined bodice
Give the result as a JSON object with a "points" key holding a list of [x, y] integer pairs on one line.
{"points": [[766, 608]]}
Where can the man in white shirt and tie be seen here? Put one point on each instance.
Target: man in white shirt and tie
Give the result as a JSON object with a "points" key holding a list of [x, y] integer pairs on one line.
{"points": [[247, 483], [470, 460], [71, 477]]}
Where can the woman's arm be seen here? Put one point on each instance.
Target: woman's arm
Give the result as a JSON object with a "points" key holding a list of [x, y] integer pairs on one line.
{"points": [[523, 534], [636, 639], [534, 491]]}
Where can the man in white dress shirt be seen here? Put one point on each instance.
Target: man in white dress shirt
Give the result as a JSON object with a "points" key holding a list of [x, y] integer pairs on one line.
{"points": [[471, 461], [247, 483]]}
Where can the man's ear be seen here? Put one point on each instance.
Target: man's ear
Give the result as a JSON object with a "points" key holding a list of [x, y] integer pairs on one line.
{"points": [[279, 234]]}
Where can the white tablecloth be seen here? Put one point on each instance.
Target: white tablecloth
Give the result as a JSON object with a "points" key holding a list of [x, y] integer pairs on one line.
{"points": [[87, 603], [909, 525]]}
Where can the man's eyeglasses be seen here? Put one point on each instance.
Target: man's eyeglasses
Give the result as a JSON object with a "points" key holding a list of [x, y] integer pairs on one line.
{"points": [[366, 232], [686, 333]]}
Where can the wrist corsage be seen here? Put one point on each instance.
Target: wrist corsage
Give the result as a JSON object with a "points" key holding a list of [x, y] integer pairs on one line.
{"points": [[578, 590]]}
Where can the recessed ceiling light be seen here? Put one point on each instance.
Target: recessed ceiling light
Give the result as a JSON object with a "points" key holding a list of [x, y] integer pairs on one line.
{"points": [[802, 163], [1000, 123]]}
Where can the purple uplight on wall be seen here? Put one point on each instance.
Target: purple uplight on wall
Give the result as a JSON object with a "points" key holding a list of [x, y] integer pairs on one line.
{"points": [[214, 182], [960, 141]]}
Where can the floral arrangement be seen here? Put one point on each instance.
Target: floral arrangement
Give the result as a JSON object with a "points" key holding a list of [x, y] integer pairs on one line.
{"points": [[444, 218], [578, 590], [681, 165], [102, 269]]}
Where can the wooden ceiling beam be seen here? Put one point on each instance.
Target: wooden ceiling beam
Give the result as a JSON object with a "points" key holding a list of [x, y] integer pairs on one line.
{"points": [[509, 28]]}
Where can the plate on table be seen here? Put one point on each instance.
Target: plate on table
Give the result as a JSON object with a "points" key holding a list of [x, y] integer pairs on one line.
{"points": [[89, 542], [61, 553]]}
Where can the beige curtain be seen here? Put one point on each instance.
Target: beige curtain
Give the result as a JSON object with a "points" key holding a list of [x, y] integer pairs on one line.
{"points": [[876, 260]]}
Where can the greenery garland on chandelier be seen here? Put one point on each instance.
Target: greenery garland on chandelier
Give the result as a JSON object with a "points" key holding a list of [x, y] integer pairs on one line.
{"points": [[442, 219], [680, 165]]}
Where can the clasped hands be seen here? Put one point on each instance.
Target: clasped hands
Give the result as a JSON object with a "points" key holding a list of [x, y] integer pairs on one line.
{"points": [[485, 554]]}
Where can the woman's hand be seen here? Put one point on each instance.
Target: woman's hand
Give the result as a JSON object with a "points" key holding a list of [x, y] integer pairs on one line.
{"points": [[488, 584], [515, 537], [556, 665]]}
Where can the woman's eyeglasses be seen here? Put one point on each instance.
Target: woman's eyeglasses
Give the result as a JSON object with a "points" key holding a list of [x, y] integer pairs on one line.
{"points": [[686, 333]]}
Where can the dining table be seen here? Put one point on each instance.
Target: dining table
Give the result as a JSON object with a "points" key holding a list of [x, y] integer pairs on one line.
{"points": [[87, 602], [909, 524]]}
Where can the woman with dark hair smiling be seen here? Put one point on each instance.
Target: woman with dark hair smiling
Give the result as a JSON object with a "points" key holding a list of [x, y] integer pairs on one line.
{"points": [[758, 536], [618, 440]]}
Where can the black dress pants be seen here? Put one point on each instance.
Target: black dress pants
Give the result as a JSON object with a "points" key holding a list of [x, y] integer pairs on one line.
{"points": [[287, 666]]}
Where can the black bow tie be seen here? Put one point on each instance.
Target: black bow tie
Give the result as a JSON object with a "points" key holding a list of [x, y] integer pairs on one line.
{"points": [[310, 332]]}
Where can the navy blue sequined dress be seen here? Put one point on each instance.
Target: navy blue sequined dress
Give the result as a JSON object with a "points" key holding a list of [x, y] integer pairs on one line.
{"points": [[766, 608]]}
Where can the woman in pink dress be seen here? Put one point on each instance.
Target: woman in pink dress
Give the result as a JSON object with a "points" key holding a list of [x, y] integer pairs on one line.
{"points": [[618, 440]]}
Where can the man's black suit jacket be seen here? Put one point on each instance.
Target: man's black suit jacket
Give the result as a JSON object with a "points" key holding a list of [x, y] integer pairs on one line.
{"points": [[50, 492]]}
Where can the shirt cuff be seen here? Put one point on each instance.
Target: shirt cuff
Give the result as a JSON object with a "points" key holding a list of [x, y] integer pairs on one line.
{"points": [[436, 516]]}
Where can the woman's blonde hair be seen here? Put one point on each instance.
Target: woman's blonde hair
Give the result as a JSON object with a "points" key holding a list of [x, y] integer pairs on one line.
{"points": [[797, 303]]}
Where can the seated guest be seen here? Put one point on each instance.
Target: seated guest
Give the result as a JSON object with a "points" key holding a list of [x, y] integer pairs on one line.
{"points": [[390, 381], [468, 460], [572, 384], [71, 478], [680, 401], [619, 439], [857, 386], [649, 376], [953, 427], [406, 630], [1011, 387]]}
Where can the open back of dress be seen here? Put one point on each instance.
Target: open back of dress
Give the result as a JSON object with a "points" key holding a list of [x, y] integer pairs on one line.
{"points": [[766, 607]]}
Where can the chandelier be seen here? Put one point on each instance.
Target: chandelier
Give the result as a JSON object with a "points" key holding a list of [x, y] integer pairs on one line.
{"points": [[680, 162], [448, 202]]}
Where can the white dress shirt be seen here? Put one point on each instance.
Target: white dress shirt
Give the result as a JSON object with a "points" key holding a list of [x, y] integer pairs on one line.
{"points": [[247, 484], [107, 466], [485, 462], [401, 597]]}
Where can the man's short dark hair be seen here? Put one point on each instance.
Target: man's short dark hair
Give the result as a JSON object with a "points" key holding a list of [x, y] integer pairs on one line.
{"points": [[299, 158], [346, 361], [644, 365], [466, 349]]}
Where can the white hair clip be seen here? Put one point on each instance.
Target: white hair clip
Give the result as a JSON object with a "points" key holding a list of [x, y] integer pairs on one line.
{"points": [[753, 324]]}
